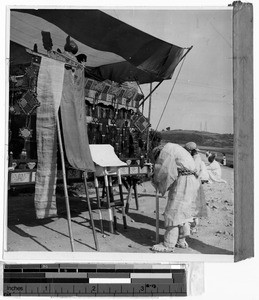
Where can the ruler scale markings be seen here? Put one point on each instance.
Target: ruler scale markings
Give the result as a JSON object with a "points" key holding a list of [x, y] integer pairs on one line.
{"points": [[68, 279]]}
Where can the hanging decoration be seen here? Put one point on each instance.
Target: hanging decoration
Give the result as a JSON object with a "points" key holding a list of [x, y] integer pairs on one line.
{"points": [[28, 102], [13, 84], [140, 122], [25, 133]]}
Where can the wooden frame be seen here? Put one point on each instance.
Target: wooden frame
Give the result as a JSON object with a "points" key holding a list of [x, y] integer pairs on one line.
{"points": [[243, 130]]}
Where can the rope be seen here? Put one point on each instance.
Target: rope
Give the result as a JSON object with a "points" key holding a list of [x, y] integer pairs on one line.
{"points": [[168, 98], [170, 94]]}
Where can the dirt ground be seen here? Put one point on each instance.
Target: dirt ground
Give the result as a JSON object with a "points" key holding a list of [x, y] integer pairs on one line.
{"points": [[214, 234]]}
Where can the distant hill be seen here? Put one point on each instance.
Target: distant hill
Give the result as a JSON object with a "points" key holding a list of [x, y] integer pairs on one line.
{"points": [[202, 138], [206, 141]]}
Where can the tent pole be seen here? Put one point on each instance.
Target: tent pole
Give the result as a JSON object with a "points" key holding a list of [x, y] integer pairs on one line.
{"points": [[157, 217], [90, 211], [150, 94], [149, 116], [65, 185]]}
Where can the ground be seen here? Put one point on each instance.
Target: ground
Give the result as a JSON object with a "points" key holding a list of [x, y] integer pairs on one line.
{"points": [[214, 234]]}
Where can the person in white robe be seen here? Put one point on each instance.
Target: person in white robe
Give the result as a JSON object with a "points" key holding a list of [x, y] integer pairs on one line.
{"points": [[202, 176], [214, 170], [175, 172]]}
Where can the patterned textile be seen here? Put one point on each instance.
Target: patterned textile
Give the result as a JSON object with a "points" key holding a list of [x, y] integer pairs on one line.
{"points": [[182, 189], [74, 121], [49, 89], [140, 122], [113, 93], [28, 103], [182, 172]]}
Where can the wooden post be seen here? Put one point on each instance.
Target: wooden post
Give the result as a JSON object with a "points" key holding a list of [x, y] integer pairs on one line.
{"points": [[90, 211], [135, 188], [96, 184], [113, 203], [122, 199], [128, 198], [65, 185], [243, 130], [157, 217], [106, 181], [149, 117]]}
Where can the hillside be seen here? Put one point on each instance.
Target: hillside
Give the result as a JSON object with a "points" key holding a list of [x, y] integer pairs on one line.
{"points": [[201, 138], [206, 141]]}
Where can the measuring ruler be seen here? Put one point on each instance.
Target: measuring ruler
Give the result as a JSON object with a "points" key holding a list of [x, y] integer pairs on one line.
{"points": [[93, 280]]}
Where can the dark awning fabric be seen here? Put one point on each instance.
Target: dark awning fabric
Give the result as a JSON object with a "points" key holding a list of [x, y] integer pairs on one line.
{"points": [[121, 72], [18, 54], [104, 39]]}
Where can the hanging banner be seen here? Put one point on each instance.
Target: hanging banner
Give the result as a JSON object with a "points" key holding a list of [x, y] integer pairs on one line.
{"points": [[49, 90], [74, 124]]}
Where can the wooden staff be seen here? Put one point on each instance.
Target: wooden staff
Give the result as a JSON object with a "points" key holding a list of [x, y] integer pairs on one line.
{"points": [[128, 198], [157, 217], [90, 211], [135, 188], [65, 185], [96, 185], [113, 203], [122, 200], [106, 182]]}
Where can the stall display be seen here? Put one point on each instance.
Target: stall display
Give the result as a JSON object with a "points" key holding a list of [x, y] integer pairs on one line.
{"points": [[112, 117]]}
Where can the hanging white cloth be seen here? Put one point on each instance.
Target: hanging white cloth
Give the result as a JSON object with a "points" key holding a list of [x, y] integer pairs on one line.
{"points": [[49, 90]]}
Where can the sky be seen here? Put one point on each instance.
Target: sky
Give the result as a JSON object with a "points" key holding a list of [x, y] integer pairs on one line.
{"points": [[202, 95]]}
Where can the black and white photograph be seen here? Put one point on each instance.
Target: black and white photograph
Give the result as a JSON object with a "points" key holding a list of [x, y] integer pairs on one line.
{"points": [[121, 131], [127, 140]]}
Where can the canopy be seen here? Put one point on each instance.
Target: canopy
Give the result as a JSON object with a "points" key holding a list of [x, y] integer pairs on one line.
{"points": [[114, 49]]}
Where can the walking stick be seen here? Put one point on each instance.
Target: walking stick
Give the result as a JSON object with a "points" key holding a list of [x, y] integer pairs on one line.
{"points": [[90, 211], [157, 217], [65, 185]]}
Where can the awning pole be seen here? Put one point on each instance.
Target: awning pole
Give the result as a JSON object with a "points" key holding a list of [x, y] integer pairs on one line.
{"points": [[149, 116], [65, 185], [141, 103]]}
